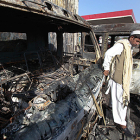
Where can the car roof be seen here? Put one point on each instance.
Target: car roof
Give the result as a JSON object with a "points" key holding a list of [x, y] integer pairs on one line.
{"points": [[116, 29], [27, 15]]}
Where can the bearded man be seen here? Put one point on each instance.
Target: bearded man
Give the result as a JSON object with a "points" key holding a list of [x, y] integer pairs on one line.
{"points": [[117, 65]]}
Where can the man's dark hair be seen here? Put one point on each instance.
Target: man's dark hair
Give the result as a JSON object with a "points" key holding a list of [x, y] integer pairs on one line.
{"points": [[135, 36]]}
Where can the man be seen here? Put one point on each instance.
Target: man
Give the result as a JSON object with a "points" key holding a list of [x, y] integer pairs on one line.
{"points": [[118, 67]]}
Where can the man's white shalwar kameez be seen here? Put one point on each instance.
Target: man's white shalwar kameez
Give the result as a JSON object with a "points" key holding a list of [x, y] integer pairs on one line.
{"points": [[119, 111]]}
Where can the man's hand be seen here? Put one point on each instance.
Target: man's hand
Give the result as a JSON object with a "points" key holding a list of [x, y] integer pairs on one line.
{"points": [[106, 72]]}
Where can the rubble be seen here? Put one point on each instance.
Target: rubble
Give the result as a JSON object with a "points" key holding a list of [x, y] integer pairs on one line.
{"points": [[60, 101]]}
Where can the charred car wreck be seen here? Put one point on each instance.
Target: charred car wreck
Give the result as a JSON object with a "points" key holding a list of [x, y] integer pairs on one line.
{"points": [[47, 94]]}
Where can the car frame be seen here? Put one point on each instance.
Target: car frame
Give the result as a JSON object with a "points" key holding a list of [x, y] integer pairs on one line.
{"points": [[47, 94]]}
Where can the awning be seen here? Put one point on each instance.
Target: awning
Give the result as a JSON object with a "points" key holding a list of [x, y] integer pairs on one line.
{"points": [[126, 16]]}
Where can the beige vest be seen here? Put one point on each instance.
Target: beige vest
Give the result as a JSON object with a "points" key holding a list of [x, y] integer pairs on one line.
{"points": [[118, 62], [121, 69]]}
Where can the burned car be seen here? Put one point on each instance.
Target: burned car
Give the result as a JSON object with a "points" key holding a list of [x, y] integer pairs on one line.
{"points": [[47, 92], [108, 34]]}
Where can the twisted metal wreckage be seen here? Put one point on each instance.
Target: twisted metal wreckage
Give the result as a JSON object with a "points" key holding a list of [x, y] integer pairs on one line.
{"points": [[46, 94]]}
